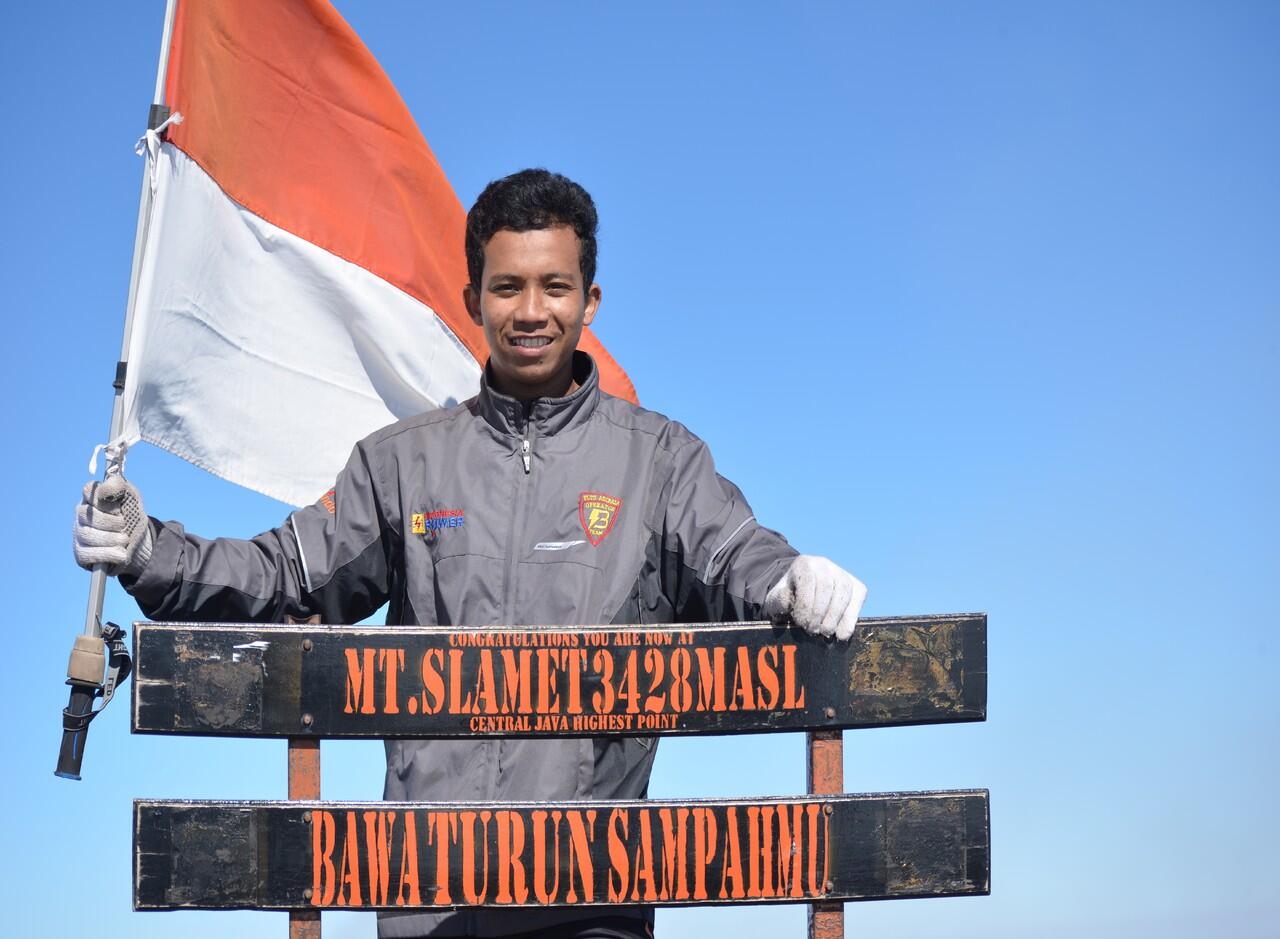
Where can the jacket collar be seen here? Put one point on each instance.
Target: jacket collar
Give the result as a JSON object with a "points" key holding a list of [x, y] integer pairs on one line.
{"points": [[548, 416]]}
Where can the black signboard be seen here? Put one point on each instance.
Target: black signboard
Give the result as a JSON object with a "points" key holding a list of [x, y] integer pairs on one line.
{"points": [[342, 681], [397, 855]]}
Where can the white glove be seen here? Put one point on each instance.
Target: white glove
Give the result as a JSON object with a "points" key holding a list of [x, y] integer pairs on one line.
{"points": [[818, 596], [112, 528]]}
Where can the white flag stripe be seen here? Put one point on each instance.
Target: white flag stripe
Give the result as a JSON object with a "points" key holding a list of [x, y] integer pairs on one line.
{"points": [[261, 357]]}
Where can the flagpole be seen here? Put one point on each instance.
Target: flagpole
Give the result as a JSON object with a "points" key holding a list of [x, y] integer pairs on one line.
{"points": [[87, 654]]}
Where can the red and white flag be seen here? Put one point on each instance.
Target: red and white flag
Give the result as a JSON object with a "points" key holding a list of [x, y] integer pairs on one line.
{"points": [[302, 276]]}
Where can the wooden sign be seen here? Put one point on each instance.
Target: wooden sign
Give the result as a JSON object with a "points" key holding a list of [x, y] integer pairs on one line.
{"points": [[397, 855], [288, 681]]}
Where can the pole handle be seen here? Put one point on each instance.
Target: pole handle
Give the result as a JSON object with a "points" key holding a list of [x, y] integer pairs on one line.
{"points": [[75, 730]]}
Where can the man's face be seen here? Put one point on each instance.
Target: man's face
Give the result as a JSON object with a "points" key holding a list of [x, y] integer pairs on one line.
{"points": [[532, 305]]}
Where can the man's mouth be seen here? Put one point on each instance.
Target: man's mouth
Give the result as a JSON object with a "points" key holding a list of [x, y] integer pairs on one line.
{"points": [[529, 342]]}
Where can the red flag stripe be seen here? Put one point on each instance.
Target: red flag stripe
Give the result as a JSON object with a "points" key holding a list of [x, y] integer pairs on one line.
{"points": [[293, 117]]}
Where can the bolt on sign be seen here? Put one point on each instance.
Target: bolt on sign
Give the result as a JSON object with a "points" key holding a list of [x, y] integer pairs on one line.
{"points": [[408, 855], [343, 682]]}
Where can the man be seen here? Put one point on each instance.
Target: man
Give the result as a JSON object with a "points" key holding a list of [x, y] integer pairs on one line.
{"points": [[541, 500]]}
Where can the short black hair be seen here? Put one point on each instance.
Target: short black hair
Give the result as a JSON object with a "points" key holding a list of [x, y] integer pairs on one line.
{"points": [[528, 200]]}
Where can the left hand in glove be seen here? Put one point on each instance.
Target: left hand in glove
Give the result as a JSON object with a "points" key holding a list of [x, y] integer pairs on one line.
{"points": [[818, 596], [112, 528]]}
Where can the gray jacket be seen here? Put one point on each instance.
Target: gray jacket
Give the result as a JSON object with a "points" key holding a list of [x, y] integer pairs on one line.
{"points": [[578, 510]]}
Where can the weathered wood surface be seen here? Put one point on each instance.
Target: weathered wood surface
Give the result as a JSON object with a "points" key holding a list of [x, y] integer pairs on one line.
{"points": [[381, 855], [252, 680]]}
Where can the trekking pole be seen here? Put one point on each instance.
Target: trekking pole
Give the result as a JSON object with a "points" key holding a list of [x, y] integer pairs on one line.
{"points": [[97, 646]]}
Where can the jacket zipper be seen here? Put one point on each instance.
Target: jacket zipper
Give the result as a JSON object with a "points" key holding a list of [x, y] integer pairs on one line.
{"points": [[517, 509], [509, 584]]}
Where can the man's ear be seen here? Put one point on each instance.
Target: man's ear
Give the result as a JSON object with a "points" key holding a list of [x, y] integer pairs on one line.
{"points": [[471, 300], [593, 304]]}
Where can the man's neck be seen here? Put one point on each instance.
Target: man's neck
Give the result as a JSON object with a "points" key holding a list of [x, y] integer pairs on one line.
{"points": [[561, 387]]}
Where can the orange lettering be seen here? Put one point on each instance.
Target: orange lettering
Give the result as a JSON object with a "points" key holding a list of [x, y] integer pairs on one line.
{"points": [[815, 888], [766, 671], [790, 699], [409, 864], [540, 856], [704, 846], [790, 859], [766, 852], [378, 829], [515, 685], [644, 861], [710, 679], [323, 878], [444, 826], [753, 851], [510, 867], [732, 854], [433, 681], [743, 688], [359, 682], [577, 664], [548, 697], [350, 865], [390, 669], [628, 690], [486, 686], [655, 664], [456, 704], [618, 821], [681, 690], [580, 838], [602, 700], [675, 885], [469, 891]]}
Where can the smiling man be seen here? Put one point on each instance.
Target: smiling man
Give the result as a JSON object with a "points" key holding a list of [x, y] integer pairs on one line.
{"points": [[541, 500], [531, 300]]}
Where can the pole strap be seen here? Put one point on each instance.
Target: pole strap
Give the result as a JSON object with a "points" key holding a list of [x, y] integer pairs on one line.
{"points": [[115, 453], [148, 145], [119, 665]]}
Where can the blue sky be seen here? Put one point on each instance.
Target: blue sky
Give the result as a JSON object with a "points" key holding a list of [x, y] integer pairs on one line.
{"points": [[980, 300]]}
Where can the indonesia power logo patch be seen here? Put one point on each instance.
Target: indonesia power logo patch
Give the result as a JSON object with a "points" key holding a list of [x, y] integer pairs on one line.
{"points": [[429, 523], [597, 512]]}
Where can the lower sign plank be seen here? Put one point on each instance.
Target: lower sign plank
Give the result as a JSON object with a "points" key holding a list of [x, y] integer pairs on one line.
{"points": [[397, 855], [340, 681]]}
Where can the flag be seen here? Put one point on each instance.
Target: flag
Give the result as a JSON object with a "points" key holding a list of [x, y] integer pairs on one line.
{"points": [[302, 275]]}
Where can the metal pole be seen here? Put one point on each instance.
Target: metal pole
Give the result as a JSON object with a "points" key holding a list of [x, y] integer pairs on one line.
{"points": [[98, 579], [83, 690], [304, 783], [826, 777]]}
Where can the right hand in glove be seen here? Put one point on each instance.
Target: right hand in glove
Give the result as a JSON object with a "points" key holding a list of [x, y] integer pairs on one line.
{"points": [[112, 528]]}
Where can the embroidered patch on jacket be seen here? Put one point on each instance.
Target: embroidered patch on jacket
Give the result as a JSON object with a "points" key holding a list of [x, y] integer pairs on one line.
{"points": [[327, 501], [422, 523], [597, 512]]}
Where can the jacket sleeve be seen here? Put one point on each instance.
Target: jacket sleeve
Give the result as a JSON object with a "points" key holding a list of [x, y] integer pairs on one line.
{"points": [[333, 558], [717, 561]]}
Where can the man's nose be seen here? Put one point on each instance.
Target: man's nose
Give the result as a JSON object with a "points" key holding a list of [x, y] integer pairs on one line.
{"points": [[531, 310]]}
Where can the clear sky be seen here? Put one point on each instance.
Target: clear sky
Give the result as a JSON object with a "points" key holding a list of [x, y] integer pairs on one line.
{"points": [[980, 300]]}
